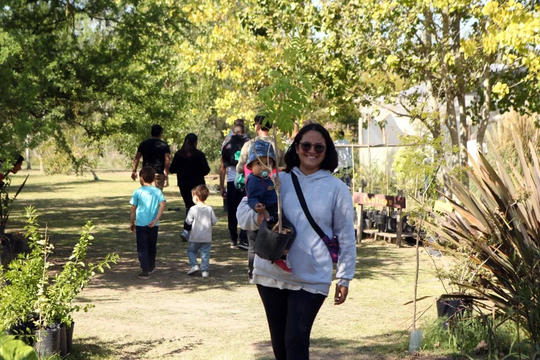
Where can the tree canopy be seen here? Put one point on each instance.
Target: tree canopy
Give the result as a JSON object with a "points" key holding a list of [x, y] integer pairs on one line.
{"points": [[113, 68]]}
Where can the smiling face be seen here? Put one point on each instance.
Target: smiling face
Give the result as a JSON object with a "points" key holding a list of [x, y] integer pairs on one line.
{"points": [[310, 159]]}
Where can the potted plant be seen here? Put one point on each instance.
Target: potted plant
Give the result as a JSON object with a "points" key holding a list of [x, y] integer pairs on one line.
{"points": [[498, 222], [283, 102], [32, 299]]}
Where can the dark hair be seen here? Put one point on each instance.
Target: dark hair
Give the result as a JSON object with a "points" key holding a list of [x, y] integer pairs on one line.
{"points": [[330, 161], [190, 145], [19, 160], [238, 129], [201, 191], [239, 122], [148, 174], [156, 130], [259, 120]]}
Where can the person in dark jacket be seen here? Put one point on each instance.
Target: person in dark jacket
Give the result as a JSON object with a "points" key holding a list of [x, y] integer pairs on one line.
{"points": [[190, 166]]}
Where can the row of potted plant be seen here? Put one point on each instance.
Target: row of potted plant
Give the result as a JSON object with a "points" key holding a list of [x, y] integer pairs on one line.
{"points": [[37, 303]]}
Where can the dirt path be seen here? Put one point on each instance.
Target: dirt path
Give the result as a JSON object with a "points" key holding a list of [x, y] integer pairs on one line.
{"points": [[176, 316]]}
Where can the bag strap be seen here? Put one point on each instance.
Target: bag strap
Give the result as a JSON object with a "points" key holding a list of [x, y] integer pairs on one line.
{"points": [[302, 200]]}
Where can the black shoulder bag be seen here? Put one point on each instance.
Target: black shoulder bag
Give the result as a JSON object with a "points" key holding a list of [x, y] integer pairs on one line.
{"points": [[331, 244]]}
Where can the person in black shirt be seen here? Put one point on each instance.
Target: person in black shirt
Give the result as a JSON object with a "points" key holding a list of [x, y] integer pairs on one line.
{"points": [[156, 154], [190, 166]]}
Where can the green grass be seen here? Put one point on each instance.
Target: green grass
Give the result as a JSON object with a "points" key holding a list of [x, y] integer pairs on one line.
{"points": [[175, 316]]}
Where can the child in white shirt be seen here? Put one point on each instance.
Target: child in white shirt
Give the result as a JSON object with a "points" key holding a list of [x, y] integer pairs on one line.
{"points": [[201, 217]]}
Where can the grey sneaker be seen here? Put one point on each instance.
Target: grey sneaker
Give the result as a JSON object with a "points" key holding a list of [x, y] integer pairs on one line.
{"points": [[233, 244], [205, 274], [184, 235], [144, 275], [243, 246], [192, 270]]}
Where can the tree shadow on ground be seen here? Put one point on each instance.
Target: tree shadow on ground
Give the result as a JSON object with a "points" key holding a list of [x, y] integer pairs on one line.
{"points": [[376, 258], [381, 347], [90, 348], [110, 217], [94, 348]]}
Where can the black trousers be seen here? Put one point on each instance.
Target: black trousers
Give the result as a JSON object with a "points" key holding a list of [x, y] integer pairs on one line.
{"points": [[251, 236], [147, 246], [290, 316], [185, 190], [234, 196]]}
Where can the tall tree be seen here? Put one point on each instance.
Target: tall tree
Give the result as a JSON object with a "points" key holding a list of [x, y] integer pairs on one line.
{"points": [[426, 56], [102, 65]]}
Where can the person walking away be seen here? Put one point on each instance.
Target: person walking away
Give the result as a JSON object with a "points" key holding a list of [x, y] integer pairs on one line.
{"points": [[231, 132], [229, 158], [190, 166], [201, 217], [261, 194], [155, 153], [262, 130], [292, 301], [147, 206]]}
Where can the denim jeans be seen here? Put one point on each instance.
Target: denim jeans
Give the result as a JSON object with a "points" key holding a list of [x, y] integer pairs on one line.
{"points": [[192, 249], [147, 246], [290, 315]]}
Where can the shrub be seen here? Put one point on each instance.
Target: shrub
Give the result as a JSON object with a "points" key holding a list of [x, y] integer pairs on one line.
{"points": [[31, 295], [500, 224]]}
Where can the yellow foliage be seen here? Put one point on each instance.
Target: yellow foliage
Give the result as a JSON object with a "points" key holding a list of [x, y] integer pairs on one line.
{"points": [[490, 8], [500, 89]]}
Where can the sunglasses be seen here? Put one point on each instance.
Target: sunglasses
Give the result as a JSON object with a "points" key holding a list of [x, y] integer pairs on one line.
{"points": [[306, 146]]}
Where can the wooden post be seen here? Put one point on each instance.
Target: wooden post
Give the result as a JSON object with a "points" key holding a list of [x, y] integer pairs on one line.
{"points": [[360, 218], [399, 228]]}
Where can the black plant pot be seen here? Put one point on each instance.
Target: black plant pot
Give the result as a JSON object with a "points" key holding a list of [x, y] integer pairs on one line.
{"points": [[50, 342], [369, 214], [270, 245], [380, 221], [453, 305], [368, 224], [66, 338], [69, 337], [391, 224], [63, 340], [23, 331]]}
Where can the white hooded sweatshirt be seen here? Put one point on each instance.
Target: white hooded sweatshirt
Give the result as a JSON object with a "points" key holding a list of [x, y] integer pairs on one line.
{"points": [[330, 204]]}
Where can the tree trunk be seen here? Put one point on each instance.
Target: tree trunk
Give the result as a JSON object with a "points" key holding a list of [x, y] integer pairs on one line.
{"points": [[464, 133], [28, 165], [450, 119], [486, 106]]}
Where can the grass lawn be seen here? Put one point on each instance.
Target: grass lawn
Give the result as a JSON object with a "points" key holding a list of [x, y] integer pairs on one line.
{"points": [[176, 316]]}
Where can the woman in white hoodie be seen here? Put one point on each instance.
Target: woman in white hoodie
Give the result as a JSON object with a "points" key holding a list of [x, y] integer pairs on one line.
{"points": [[292, 300]]}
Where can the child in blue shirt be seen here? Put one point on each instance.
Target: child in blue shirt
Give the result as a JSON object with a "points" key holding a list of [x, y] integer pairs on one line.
{"points": [[261, 194], [147, 206]]}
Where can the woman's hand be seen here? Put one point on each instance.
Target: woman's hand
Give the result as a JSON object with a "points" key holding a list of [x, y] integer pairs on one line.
{"points": [[341, 294]]}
